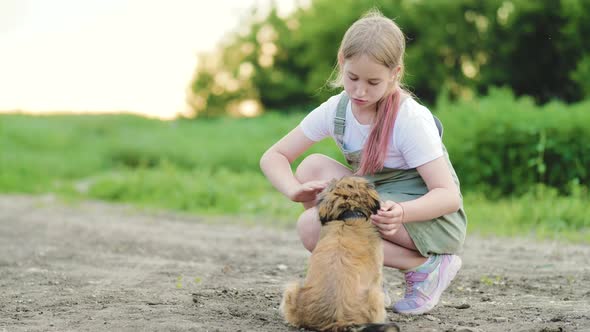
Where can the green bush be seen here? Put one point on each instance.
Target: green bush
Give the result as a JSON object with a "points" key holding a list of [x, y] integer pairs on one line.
{"points": [[506, 146]]}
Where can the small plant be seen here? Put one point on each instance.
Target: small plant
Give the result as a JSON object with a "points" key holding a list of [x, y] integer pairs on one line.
{"points": [[179, 282], [491, 281]]}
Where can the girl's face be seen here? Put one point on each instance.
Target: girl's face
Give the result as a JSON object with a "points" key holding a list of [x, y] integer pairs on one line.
{"points": [[366, 81]]}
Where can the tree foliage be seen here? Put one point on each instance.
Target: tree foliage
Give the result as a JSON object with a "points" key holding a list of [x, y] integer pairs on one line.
{"points": [[457, 48]]}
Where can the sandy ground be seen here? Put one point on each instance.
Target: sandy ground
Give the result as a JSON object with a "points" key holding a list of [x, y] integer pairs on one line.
{"points": [[100, 267]]}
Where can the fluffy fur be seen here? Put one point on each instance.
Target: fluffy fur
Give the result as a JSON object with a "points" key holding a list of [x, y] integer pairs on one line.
{"points": [[343, 288]]}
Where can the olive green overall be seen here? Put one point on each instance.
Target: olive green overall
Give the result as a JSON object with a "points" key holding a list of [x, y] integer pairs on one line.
{"points": [[443, 235]]}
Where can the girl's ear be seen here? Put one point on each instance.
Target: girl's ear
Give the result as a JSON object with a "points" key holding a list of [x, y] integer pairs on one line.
{"points": [[340, 59], [396, 72]]}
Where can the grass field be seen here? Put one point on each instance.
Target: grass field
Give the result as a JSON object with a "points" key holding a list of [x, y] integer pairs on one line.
{"points": [[210, 167]]}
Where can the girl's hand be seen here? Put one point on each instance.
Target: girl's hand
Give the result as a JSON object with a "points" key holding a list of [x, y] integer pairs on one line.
{"points": [[388, 218], [308, 191]]}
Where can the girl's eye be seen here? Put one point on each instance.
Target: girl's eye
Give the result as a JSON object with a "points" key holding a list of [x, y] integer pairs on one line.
{"points": [[356, 79]]}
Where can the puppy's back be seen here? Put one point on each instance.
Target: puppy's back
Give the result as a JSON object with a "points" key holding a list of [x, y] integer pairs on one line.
{"points": [[343, 280]]}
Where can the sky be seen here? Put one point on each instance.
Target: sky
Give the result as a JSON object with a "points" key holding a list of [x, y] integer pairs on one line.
{"points": [[134, 56]]}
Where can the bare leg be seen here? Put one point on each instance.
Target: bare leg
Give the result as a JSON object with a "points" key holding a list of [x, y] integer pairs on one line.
{"points": [[319, 167], [400, 252], [308, 227]]}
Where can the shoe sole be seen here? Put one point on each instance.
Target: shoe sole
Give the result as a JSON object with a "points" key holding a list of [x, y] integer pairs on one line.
{"points": [[386, 298], [453, 268]]}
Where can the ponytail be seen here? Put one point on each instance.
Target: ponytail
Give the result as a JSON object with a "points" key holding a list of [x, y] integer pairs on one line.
{"points": [[375, 149]]}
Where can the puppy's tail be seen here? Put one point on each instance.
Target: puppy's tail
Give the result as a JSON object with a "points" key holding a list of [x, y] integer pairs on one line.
{"points": [[388, 327], [289, 305]]}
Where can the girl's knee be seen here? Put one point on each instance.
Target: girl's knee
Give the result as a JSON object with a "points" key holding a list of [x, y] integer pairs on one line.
{"points": [[317, 166], [308, 228], [310, 168]]}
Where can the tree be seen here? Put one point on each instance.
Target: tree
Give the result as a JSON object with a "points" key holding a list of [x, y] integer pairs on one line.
{"points": [[457, 48]]}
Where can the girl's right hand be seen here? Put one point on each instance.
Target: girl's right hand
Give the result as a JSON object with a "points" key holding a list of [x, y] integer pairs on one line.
{"points": [[308, 191]]}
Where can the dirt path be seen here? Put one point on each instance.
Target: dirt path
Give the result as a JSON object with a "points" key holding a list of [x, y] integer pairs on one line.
{"points": [[99, 267]]}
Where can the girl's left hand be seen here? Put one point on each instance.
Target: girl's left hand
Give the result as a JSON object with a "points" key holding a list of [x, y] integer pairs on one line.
{"points": [[388, 218]]}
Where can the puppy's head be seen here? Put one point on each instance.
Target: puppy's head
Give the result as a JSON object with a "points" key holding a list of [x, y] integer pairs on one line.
{"points": [[349, 194]]}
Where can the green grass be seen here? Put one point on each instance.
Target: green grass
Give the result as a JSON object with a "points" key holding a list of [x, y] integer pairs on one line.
{"points": [[541, 213], [210, 167]]}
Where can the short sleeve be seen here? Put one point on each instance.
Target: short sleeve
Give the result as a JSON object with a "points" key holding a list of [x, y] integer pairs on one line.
{"points": [[319, 123], [419, 140]]}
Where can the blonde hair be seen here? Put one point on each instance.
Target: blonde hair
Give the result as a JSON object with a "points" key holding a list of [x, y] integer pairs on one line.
{"points": [[379, 38]]}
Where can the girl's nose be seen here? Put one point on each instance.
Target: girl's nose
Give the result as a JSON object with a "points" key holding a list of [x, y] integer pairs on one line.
{"points": [[361, 90]]}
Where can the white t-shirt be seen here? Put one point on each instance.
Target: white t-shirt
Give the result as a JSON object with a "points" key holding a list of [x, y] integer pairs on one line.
{"points": [[415, 140]]}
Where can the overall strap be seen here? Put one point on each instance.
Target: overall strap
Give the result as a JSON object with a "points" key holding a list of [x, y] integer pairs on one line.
{"points": [[439, 126], [340, 118]]}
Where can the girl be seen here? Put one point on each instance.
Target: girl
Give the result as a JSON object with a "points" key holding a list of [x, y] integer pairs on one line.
{"points": [[393, 141]]}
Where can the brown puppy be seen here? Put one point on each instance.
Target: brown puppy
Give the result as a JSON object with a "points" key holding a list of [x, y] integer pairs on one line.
{"points": [[343, 289]]}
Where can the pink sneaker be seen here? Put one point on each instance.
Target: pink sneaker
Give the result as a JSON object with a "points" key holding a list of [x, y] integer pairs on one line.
{"points": [[425, 285]]}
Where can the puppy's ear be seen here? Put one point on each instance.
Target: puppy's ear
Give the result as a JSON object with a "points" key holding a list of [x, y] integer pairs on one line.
{"points": [[325, 210], [331, 184], [376, 201], [323, 193], [323, 215], [376, 205], [322, 197]]}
